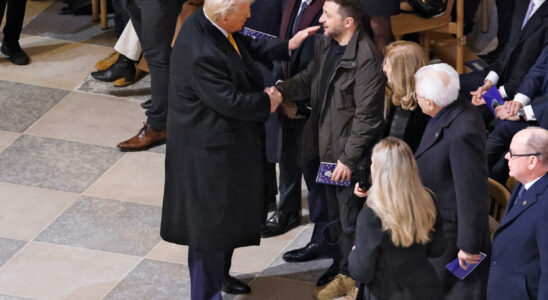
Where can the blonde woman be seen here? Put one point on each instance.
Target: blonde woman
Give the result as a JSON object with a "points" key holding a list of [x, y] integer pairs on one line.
{"points": [[405, 121], [397, 230]]}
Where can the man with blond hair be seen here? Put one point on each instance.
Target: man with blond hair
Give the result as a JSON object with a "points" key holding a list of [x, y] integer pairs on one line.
{"points": [[215, 158]]}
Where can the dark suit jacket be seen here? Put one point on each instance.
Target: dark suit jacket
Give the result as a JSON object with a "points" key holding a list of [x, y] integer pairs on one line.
{"points": [[536, 81], [541, 112], [215, 157], [391, 272], [519, 263], [523, 47], [452, 163]]}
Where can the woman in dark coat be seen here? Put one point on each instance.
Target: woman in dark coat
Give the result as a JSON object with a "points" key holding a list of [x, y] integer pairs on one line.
{"points": [[405, 121], [397, 230]]}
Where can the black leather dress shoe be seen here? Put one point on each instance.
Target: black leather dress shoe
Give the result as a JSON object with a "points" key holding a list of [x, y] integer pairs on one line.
{"points": [[231, 285], [147, 104], [122, 68], [280, 223], [309, 252], [329, 275], [16, 55]]}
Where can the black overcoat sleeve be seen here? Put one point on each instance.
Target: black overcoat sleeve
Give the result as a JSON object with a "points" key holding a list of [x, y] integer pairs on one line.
{"points": [[369, 236]]}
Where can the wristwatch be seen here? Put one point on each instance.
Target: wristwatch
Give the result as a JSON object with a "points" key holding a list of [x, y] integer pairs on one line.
{"points": [[521, 114]]}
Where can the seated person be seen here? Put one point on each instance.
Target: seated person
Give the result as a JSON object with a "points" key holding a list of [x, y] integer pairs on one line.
{"points": [[398, 229], [405, 121], [517, 114], [529, 35]]}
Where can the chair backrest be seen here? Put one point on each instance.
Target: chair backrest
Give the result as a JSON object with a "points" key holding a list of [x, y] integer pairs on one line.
{"points": [[498, 198], [511, 183]]}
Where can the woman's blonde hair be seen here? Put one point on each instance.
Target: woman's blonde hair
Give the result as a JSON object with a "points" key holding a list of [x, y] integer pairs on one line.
{"points": [[405, 59], [404, 206]]}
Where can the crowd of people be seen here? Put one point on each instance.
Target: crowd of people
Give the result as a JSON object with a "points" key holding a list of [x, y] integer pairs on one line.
{"points": [[304, 82]]}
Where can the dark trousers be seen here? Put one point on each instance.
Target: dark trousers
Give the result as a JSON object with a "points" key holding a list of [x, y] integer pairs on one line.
{"points": [[121, 16], [290, 179], [343, 208], [14, 19], [498, 143], [154, 22], [474, 286], [207, 271]]}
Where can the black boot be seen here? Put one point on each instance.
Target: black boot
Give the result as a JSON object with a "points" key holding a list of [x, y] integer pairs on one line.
{"points": [[122, 68], [15, 53], [232, 285], [280, 223]]}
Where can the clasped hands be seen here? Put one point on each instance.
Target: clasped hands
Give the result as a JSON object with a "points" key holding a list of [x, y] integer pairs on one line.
{"points": [[508, 111]]}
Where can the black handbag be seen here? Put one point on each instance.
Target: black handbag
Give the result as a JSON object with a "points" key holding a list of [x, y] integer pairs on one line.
{"points": [[427, 8]]}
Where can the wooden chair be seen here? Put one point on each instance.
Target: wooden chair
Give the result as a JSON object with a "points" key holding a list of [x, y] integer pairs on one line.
{"points": [[95, 6], [498, 198], [410, 23], [511, 183]]}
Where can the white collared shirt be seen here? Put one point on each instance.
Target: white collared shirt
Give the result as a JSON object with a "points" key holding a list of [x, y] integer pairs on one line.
{"points": [[493, 76], [530, 183]]}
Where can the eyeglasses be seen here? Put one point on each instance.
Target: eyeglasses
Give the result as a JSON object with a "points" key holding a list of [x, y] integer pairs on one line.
{"points": [[513, 155]]}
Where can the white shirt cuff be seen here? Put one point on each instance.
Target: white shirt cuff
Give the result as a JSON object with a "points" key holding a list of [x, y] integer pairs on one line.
{"points": [[493, 76], [528, 110], [521, 98], [502, 92]]}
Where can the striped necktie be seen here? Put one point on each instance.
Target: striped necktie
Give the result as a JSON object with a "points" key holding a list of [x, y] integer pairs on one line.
{"points": [[233, 43], [528, 14]]}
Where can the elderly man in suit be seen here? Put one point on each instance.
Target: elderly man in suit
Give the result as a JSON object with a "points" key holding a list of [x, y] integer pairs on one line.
{"points": [[345, 83], [215, 158], [519, 264], [452, 163]]}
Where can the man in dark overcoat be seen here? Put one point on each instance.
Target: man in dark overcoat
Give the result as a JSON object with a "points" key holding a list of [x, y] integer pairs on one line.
{"points": [[215, 157], [452, 163]]}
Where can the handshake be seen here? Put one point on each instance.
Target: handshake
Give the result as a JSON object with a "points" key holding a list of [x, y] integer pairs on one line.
{"points": [[289, 108], [275, 96]]}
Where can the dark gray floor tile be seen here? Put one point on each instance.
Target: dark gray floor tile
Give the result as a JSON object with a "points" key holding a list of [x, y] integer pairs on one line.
{"points": [[139, 91], [8, 248], [55, 164], [153, 279], [306, 271], [107, 225], [24, 104], [50, 23]]}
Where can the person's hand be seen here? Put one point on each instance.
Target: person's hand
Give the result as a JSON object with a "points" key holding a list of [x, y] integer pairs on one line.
{"points": [[341, 172], [290, 109], [359, 192], [275, 97], [466, 259], [512, 107], [299, 37], [502, 113], [477, 95]]}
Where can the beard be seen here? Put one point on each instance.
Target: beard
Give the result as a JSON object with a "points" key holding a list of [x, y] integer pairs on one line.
{"points": [[335, 31]]}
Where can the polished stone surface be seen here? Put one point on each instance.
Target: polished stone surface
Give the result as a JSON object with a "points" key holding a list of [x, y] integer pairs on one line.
{"points": [[55, 164], [107, 225], [138, 91], [24, 104], [153, 280], [8, 248]]}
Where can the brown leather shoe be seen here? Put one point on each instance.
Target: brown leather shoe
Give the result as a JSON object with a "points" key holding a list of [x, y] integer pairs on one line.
{"points": [[146, 138]]}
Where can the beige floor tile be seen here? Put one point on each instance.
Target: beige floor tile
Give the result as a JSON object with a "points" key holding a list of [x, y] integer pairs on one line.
{"points": [[34, 8], [27, 210], [54, 63], [275, 288], [137, 177], [6, 138], [46, 271], [250, 260], [91, 119]]}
